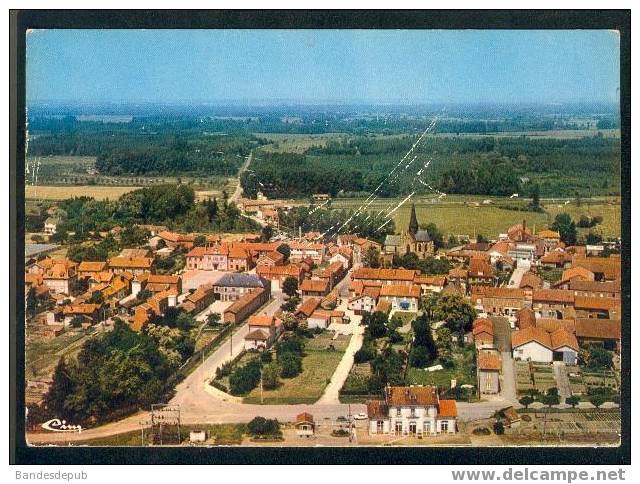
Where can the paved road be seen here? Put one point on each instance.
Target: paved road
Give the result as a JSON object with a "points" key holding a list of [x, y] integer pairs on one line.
{"points": [[516, 277], [200, 403], [508, 387], [235, 196]]}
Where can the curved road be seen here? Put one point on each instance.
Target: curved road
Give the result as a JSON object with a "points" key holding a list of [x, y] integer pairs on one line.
{"points": [[200, 403]]}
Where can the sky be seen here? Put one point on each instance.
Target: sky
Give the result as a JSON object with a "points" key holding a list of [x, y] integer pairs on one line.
{"points": [[378, 66]]}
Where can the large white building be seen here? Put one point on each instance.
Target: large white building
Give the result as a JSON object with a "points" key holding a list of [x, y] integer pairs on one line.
{"points": [[413, 410], [536, 344]]}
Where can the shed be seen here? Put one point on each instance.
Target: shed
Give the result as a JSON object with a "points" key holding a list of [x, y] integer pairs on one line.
{"points": [[305, 426]]}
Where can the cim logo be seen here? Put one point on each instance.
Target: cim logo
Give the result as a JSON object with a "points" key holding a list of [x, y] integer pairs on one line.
{"points": [[57, 425]]}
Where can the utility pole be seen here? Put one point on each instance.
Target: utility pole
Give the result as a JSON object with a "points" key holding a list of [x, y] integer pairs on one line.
{"points": [[261, 396]]}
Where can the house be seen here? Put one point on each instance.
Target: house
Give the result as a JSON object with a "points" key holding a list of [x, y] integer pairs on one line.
{"points": [[245, 306], [90, 268], [305, 426], [591, 288], [315, 287], [334, 272], [199, 300], [51, 225], [322, 319], [551, 303], [89, 312], [605, 332], [429, 284], [135, 265], [207, 258], [263, 331], [273, 258], [498, 301], [159, 283], [173, 239], [481, 272], [603, 268], [597, 307], [557, 258], [482, 330], [571, 274], [307, 308], [362, 303], [134, 253], [536, 344], [360, 247], [414, 410], [522, 252], [344, 255], [489, 367], [385, 276], [278, 273], [59, 275], [232, 286], [529, 282], [525, 318], [302, 250], [401, 297]]}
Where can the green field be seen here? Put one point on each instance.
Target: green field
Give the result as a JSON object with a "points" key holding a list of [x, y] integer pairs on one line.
{"points": [[466, 215], [317, 368]]}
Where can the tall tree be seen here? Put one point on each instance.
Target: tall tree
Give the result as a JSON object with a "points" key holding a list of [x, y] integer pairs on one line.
{"points": [[290, 286], [566, 227]]}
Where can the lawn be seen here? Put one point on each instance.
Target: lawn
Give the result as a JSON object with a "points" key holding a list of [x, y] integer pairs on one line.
{"points": [[222, 434], [466, 215], [317, 368], [463, 372]]}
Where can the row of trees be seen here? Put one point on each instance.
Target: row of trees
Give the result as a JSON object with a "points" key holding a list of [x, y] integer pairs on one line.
{"points": [[170, 205]]}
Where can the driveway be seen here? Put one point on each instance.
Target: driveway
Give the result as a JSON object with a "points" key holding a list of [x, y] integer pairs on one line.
{"points": [[501, 333]]}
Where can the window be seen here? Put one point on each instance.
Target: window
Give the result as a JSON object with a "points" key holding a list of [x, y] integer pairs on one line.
{"points": [[398, 427], [427, 427], [398, 411], [413, 411], [444, 426], [380, 426]]}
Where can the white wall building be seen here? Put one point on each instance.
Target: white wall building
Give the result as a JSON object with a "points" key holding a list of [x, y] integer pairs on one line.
{"points": [[414, 410]]}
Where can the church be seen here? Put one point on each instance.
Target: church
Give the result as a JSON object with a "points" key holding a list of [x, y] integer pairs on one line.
{"points": [[413, 240]]}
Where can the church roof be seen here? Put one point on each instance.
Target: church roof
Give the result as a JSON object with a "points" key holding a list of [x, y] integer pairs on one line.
{"points": [[422, 236], [393, 240]]}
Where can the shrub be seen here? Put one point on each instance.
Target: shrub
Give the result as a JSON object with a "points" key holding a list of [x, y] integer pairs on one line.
{"points": [[498, 428], [261, 426], [290, 364], [245, 378]]}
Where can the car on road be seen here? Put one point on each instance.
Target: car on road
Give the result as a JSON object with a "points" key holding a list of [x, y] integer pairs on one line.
{"points": [[360, 416]]}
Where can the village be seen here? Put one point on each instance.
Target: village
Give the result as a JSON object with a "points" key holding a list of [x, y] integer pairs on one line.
{"points": [[337, 339]]}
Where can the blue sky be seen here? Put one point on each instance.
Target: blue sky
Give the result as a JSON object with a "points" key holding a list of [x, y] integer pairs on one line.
{"points": [[329, 65]]}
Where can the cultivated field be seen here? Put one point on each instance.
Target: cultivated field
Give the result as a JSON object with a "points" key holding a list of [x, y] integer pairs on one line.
{"points": [[99, 192], [62, 192], [466, 215]]}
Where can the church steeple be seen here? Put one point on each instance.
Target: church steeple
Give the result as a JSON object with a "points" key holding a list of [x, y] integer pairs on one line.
{"points": [[413, 221]]}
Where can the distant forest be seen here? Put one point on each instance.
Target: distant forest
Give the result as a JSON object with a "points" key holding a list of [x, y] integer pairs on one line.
{"points": [[357, 159], [482, 166]]}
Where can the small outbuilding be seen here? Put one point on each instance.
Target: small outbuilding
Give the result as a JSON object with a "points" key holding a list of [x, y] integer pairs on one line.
{"points": [[305, 426]]}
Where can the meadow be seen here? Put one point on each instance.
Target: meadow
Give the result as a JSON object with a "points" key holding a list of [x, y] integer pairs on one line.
{"points": [[467, 215]]}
